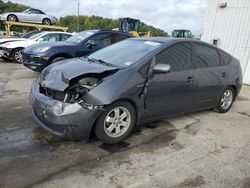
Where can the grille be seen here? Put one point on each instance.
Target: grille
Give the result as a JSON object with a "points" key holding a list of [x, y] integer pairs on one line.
{"points": [[57, 95], [26, 57]]}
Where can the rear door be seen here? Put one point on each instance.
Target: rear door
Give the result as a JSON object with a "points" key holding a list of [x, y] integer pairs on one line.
{"points": [[171, 93], [210, 76]]}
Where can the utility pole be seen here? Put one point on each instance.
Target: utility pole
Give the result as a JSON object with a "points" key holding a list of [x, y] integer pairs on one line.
{"points": [[77, 26]]}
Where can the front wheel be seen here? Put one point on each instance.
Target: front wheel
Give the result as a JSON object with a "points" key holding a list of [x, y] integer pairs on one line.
{"points": [[226, 100], [17, 55], [46, 21], [115, 124]]}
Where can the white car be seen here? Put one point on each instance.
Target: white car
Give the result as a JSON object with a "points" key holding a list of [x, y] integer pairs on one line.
{"points": [[13, 50], [12, 39], [29, 15], [23, 37]]}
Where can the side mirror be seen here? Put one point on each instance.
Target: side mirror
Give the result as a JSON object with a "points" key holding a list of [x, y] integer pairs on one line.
{"points": [[40, 40], [91, 43], [161, 68]]}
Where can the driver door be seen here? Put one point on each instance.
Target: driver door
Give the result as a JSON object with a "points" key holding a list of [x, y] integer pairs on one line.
{"points": [[98, 42], [33, 16], [171, 93]]}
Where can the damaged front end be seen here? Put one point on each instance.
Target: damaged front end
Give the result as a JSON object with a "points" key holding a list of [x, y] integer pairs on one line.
{"points": [[77, 89], [59, 105], [75, 93]]}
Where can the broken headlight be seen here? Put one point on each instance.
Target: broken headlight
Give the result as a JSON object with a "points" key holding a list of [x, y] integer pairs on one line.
{"points": [[76, 92]]}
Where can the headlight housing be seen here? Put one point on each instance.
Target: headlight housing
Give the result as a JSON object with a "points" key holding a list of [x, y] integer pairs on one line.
{"points": [[76, 92], [42, 49]]}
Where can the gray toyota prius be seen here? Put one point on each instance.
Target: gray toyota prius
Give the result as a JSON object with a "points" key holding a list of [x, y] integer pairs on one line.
{"points": [[132, 82]]}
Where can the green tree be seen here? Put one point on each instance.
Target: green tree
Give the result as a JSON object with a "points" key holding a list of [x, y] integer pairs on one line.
{"points": [[97, 22], [85, 22]]}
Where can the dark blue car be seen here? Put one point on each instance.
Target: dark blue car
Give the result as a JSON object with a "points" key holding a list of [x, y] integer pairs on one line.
{"points": [[39, 56]]}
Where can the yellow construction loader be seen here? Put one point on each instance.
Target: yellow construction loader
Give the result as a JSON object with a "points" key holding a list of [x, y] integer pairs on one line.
{"points": [[131, 25]]}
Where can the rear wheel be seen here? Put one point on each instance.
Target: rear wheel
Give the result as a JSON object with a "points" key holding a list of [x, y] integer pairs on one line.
{"points": [[46, 21], [12, 18], [115, 124], [17, 55], [226, 100]]}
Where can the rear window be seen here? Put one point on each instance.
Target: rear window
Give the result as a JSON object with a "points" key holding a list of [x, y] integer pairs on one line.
{"points": [[206, 56], [225, 58]]}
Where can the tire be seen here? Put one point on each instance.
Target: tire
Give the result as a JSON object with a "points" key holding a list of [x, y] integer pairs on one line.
{"points": [[12, 18], [226, 100], [17, 55], [46, 21], [110, 128], [58, 59]]}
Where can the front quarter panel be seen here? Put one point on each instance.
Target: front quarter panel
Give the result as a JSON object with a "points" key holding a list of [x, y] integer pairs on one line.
{"points": [[123, 85]]}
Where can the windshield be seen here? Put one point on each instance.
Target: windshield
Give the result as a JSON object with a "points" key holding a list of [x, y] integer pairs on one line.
{"points": [[28, 35], [125, 53], [26, 11], [36, 35], [79, 37]]}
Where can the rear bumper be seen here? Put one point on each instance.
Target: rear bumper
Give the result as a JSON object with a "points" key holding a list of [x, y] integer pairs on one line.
{"points": [[63, 119], [3, 18], [34, 62]]}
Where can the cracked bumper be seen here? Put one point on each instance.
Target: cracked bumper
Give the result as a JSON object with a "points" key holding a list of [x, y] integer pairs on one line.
{"points": [[63, 119]]}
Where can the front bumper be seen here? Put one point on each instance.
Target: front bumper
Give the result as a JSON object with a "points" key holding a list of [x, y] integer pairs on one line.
{"points": [[63, 119], [34, 62], [6, 52]]}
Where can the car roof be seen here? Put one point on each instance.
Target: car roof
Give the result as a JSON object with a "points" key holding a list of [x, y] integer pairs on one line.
{"points": [[46, 32], [113, 31], [171, 40], [161, 39]]}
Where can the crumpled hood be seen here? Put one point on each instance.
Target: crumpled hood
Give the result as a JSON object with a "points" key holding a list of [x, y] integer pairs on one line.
{"points": [[58, 75]]}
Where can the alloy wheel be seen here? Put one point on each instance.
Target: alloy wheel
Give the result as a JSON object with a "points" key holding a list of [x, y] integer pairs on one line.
{"points": [[46, 22], [117, 122], [18, 56], [226, 99], [12, 18]]}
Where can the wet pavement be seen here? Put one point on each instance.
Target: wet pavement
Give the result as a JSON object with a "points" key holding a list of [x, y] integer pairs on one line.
{"points": [[204, 149]]}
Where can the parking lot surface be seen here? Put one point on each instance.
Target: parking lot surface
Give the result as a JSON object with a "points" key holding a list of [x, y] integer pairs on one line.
{"points": [[204, 149]]}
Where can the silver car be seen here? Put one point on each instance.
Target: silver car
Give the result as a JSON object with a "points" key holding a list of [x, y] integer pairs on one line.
{"points": [[29, 15]]}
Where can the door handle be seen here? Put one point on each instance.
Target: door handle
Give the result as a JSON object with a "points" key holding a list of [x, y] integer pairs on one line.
{"points": [[224, 74], [190, 79]]}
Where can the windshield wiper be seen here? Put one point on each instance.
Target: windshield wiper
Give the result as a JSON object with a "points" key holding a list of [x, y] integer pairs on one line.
{"points": [[100, 61]]}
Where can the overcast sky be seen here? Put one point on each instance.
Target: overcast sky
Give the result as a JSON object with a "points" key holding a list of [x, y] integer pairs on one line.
{"points": [[164, 14]]}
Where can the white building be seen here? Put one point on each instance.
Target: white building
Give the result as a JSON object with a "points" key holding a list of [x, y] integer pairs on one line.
{"points": [[227, 24]]}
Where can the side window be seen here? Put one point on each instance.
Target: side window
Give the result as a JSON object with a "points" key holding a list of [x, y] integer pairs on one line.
{"points": [[102, 40], [225, 59], [120, 37], [33, 12], [64, 37], [206, 56], [178, 56], [51, 37], [145, 67]]}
